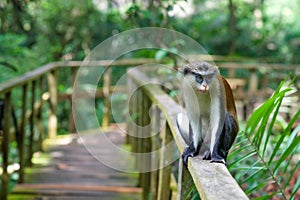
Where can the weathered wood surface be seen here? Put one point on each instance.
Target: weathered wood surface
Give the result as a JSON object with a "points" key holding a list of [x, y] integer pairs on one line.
{"points": [[73, 173], [212, 180]]}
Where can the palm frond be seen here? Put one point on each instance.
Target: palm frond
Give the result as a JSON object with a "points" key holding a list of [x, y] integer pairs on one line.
{"points": [[264, 160]]}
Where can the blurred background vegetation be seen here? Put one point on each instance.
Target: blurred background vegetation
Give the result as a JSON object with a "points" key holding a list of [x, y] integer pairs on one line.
{"points": [[35, 32]]}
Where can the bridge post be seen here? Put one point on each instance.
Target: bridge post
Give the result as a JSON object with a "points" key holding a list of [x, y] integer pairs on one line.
{"points": [[31, 122], [22, 133], [106, 94], [164, 190], [52, 83], [5, 144]]}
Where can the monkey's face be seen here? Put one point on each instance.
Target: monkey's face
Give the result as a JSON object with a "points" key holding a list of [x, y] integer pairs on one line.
{"points": [[199, 82], [200, 75], [202, 83]]}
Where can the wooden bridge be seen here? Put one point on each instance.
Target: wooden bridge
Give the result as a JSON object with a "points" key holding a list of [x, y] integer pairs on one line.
{"points": [[60, 167]]}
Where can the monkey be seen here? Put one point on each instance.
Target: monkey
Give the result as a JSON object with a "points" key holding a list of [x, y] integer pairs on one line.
{"points": [[211, 113]]}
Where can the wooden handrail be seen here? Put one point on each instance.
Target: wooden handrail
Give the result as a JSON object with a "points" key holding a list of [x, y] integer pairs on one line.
{"points": [[37, 87], [43, 82], [35, 74], [213, 181]]}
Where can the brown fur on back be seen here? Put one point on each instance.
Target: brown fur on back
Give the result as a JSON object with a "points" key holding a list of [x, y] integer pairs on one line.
{"points": [[229, 98]]}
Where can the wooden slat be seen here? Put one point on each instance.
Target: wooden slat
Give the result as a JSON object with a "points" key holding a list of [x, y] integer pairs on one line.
{"points": [[59, 187]]}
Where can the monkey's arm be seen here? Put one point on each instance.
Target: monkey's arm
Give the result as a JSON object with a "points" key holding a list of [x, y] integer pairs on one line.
{"points": [[193, 149], [187, 135], [182, 124]]}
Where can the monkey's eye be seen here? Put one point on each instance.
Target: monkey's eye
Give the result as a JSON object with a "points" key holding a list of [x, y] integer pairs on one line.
{"points": [[199, 78]]}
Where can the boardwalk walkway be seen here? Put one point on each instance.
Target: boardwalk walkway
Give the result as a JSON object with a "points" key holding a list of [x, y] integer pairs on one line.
{"points": [[68, 171]]}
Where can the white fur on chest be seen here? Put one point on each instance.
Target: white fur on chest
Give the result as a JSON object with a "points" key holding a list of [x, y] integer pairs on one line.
{"points": [[204, 111]]}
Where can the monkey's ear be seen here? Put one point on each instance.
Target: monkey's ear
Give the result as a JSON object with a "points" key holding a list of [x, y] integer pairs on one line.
{"points": [[216, 70], [185, 70]]}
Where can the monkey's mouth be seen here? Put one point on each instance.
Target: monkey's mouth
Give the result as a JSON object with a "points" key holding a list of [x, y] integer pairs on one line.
{"points": [[201, 90]]}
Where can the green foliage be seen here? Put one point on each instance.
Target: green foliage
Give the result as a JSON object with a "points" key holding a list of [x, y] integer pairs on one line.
{"points": [[13, 55], [264, 160], [37, 32]]}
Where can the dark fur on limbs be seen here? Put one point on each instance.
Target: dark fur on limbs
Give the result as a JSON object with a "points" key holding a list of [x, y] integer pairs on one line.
{"points": [[221, 147]]}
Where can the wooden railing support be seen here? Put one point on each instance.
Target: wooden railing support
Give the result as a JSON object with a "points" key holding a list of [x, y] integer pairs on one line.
{"points": [[32, 126], [52, 84], [5, 144], [106, 93], [72, 129], [165, 170], [22, 133], [184, 182], [253, 81], [146, 144], [155, 145], [39, 115]]}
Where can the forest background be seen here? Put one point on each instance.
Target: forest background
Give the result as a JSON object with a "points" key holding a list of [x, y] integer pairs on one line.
{"points": [[35, 32]]}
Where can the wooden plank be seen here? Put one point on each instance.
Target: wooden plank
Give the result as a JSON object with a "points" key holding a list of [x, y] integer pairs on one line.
{"points": [[58, 187], [213, 180], [72, 171]]}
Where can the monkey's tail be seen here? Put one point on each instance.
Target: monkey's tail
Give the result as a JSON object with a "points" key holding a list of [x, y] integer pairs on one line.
{"points": [[183, 127]]}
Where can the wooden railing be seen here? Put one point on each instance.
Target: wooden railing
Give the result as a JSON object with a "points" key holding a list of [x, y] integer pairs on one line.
{"points": [[37, 92], [38, 98], [213, 181]]}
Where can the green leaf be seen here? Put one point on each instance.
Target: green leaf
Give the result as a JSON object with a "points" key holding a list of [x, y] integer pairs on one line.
{"points": [[244, 157], [268, 196], [292, 175], [287, 152], [266, 142], [296, 188], [256, 187]]}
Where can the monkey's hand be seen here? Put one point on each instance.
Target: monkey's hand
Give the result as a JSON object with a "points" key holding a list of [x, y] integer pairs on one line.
{"points": [[189, 152], [218, 161], [207, 155]]}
